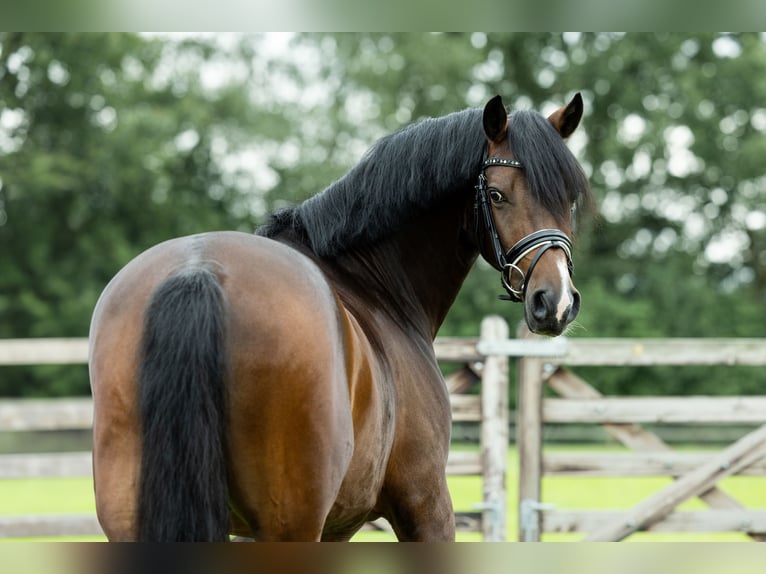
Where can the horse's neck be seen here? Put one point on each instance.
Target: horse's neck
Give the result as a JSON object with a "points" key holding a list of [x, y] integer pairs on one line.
{"points": [[415, 275], [439, 253]]}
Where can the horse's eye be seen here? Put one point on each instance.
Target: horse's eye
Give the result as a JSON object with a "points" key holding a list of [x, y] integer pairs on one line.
{"points": [[496, 196]]}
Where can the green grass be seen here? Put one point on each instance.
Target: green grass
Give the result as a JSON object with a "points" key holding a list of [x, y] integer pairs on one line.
{"points": [[47, 496], [70, 495]]}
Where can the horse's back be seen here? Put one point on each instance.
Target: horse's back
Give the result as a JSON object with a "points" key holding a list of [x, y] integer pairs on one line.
{"points": [[270, 290], [290, 347]]}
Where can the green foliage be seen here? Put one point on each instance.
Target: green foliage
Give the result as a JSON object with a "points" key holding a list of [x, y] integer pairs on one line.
{"points": [[93, 170], [110, 143]]}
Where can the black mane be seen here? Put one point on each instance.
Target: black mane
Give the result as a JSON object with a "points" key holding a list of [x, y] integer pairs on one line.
{"points": [[401, 175], [404, 173], [554, 176]]}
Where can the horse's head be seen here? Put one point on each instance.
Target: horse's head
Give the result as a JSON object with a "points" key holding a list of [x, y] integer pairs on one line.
{"points": [[527, 190]]}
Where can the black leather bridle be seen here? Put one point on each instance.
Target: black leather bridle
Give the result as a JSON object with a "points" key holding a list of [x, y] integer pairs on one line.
{"points": [[508, 262]]}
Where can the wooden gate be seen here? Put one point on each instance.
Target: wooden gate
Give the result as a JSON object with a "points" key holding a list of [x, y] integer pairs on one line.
{"points": [[579, 402]]}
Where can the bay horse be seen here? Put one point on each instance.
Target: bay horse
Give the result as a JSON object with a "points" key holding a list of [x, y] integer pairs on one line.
{"points": [[282, 385]]}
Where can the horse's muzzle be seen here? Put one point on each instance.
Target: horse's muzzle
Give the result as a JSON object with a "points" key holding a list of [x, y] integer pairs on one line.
{"points": [[550, 312]]}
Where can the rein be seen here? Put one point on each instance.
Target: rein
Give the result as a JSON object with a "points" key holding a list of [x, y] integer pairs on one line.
{"points": [[508, 262]]}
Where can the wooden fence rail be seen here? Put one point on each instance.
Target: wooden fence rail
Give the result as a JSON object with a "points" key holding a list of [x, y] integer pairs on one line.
{"points": [[541, 364], [695, 474], [489, 409]]}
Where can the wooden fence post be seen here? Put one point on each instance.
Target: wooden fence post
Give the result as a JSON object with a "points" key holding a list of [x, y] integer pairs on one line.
{"points": [[494, 432], [529, 441]]}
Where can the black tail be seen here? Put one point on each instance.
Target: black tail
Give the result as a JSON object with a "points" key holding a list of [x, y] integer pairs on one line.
{"points": [[183, 492]]}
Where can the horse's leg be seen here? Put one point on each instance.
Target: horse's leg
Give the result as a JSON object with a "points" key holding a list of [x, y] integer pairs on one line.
{"points": [[287, 465], [116, 438], [291, 434], [415, 497], [420, 508], [115, 477]]}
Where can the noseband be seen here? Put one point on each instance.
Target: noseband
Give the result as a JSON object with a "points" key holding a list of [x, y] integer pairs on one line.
{"points": [[508, 263]]}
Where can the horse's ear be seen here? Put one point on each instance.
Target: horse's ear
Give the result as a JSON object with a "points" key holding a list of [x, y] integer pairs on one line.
{"points": [[495, 120], [567, 118]]}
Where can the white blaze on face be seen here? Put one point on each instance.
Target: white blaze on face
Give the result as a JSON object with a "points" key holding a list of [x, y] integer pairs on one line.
{"points": [[566, 294]]}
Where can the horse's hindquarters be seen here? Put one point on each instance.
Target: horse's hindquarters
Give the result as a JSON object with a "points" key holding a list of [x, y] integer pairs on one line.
{"points": [[290, 428]]}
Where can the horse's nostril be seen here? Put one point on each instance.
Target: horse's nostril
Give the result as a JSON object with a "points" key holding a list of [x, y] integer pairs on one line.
{"points": [[575, 305], [540, 305]]}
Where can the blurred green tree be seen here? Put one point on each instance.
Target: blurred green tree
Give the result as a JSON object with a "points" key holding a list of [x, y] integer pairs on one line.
{"points": [[673, 140], [112, 142], [104, 151]]}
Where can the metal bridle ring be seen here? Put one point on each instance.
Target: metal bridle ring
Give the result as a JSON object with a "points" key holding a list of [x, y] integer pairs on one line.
{"points": [[505, 276]]}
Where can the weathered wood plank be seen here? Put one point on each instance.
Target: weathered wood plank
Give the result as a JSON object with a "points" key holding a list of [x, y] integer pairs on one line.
{"points": [[668, 351], [45, 414], [562, 350], [464, 463], [78, 464], [464, 522], [69, 464], [457, 349], [643, 351], [748, 521], [466, 407], [570, 386], [675, 410], [631, 464], [49, 525], [529, 438], [52, 351], [462, 381], [744, 452], [494, 432], [534, 347]]}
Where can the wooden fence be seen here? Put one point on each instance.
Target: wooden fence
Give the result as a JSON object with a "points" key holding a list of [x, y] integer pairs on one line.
{"points": [[541, 365], [578, 402], [489, 409]]}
